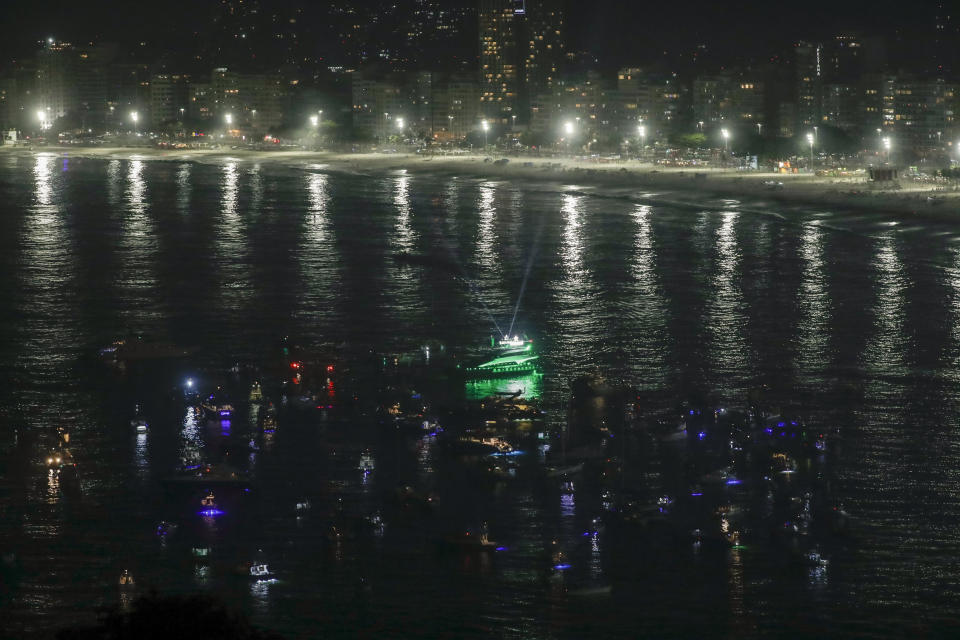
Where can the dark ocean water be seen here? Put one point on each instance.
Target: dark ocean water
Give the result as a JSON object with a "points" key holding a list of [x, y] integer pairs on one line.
{"points": [[852, 317]]}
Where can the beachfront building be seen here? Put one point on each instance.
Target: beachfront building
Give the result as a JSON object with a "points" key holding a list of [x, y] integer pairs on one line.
{"points": [[544, 45], [456, 107], [169, 93], [254, 101], [56, 86], [500, 64], [378, 103], [128, 91], [924, 113], [730, 97]]}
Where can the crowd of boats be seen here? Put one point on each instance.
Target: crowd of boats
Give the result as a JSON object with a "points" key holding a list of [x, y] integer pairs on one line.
{"points": [[700, 479]]}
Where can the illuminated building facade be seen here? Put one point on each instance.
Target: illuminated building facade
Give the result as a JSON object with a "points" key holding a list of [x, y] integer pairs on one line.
{"points": [[56, 79], [500, 78]]}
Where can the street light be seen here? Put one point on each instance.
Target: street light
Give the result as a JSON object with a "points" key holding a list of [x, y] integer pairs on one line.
{"points": [[642, 130], [228, 118], [810, 139], [486, 127], [134, 116], [760, 129], [314, 121], [726, 138], [886, 146], [400, 124]]}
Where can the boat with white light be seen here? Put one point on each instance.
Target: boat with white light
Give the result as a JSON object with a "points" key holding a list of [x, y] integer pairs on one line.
{"points": [[260, 571]]}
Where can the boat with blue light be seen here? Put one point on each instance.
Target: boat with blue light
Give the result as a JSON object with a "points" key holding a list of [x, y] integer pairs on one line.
{"points": [[216, 407]]}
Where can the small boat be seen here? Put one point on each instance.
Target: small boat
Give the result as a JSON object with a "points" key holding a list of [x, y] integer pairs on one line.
{"points": [[507, 365], [559, 472], [366, 462], [55, 460], [208, 475], [138, 423], [591, 592], [260, 571], [268, 419], [470, 542], [210, 508], [126, 579], [135, 348], [256, 393], [216, 408]]}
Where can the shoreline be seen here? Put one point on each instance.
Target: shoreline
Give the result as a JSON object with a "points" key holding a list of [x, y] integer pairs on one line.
{"points": [[856, 194]]}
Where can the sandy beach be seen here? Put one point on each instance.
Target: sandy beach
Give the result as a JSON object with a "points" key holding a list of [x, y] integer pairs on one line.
{"points": [[691, 185]]}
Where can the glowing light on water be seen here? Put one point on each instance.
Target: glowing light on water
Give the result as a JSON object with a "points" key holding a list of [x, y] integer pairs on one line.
{"points": [[42, 173], [405, 235]]}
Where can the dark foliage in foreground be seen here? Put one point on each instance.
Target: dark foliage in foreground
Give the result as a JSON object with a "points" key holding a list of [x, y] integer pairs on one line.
{"points": [[166, 617]]}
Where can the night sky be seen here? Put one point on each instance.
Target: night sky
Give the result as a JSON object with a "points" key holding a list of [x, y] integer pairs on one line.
{"points": [[619, 31]]}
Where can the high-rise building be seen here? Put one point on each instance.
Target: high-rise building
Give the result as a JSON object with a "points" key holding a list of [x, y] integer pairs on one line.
{"points": [[808, 61], [169, 93], [947, 33], [56, 84], [499, 58], [543, 47]]}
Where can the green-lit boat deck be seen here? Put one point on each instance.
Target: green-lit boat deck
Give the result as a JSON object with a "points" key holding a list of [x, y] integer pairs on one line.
{"points": [[511, 365]]}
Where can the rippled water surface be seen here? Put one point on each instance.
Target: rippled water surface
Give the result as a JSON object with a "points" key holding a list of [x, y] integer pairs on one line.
{"points": [[853, 317]]}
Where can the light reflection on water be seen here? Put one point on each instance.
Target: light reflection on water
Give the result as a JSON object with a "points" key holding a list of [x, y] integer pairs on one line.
{"points": [[725, 313], [886, 349], [405, 237], [814, 303], [885, 476]]}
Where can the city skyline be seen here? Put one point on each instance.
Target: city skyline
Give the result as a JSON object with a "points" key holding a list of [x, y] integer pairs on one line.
{"points": [[617, 34]]}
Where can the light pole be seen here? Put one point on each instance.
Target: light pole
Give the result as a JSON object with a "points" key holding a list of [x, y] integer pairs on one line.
{"points": [[700, 126], [514, 125], [810, 139], [886, 146], [452, 134], [314, 121], [568, 129], [42, 117], [134, 116], [726, 144], [642, 130], [760, 129], [486, 127]]}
